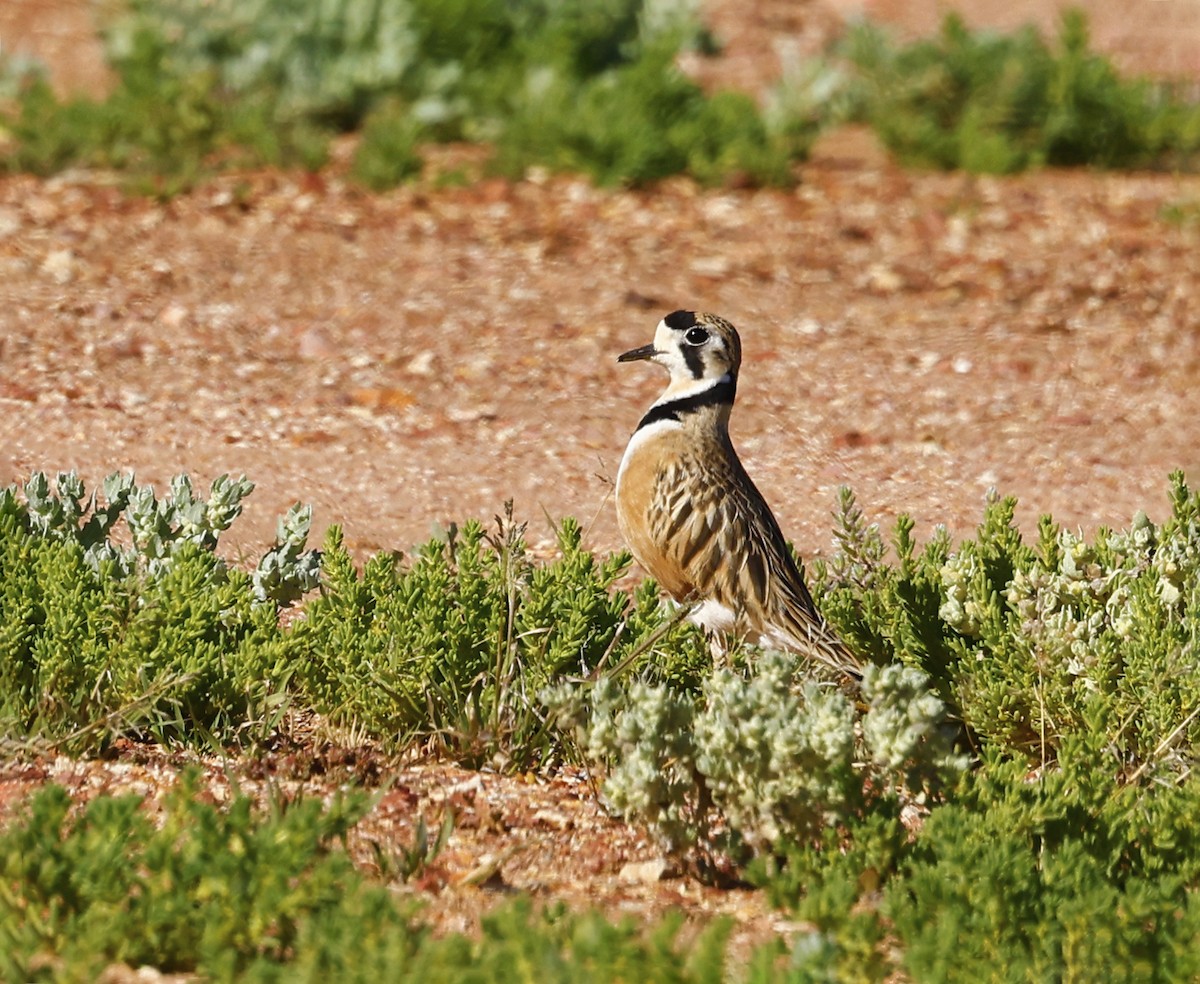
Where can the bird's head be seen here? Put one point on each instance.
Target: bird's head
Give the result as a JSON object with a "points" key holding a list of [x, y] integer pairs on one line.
{"points": [[697, 349]]}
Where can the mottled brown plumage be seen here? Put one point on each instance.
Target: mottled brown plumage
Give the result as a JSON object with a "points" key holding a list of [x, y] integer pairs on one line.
{"points": [[692, 516]]}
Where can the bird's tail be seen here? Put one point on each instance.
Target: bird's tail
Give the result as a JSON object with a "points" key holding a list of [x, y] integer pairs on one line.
{"points": [[817, 641]]}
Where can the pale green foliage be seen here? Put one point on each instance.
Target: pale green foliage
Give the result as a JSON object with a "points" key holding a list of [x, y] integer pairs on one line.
{"points": [[905, 728], [960, 610], [671, 18], [318, 56], [1112, 624], [775, 754], [16, 71], [812, 93], [287, 570], [763, 757], [160, 528], [589, 85], [646, 734]]}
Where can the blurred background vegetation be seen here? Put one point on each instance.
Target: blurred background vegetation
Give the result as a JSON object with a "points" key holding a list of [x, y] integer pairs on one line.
{"points": [[592, 87]]}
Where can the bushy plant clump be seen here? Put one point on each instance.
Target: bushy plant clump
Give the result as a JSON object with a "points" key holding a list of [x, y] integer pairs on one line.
{"points": [[588, 86], [156, 633], [334, 60], [160, 528], [1002, 103], [454, 647], [1063, 874], [211, 889], [240, 893], [162, 127], [1081, 628], [1033, 644], [641, 122], [766, 756], [1023, 644]]}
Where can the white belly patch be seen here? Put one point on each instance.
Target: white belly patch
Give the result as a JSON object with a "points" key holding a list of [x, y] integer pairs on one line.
{"points": [[713, 616]]}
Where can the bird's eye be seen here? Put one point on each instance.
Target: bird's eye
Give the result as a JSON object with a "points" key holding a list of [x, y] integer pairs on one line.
{"points": [[696, 336]]}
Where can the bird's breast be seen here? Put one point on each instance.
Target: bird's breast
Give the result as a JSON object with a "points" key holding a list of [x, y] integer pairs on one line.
{"points": [[647, 461]]}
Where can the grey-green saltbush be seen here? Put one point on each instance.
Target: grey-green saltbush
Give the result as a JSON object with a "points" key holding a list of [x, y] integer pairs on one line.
{"points": [[160, 528], [320, 59], [763, 757]]}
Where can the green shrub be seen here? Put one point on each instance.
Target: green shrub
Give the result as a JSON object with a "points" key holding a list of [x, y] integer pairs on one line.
{"points": [[1081, 629], [1070, 663], [1064, 875], [243, 894], [158, 634], [164, 127], [639, 123], [86, 654], [210, 890], [1025, 645], [454, 647], [450, 60], [1030, 645], [587, 86], [888, 611], [387, 153], [1002, 103], [151, 632]]}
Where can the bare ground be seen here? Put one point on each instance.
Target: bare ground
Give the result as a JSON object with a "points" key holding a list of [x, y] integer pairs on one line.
{"points": [[418, 357]]}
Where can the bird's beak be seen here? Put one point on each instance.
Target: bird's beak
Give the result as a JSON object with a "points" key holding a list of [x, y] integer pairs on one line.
{"points": [[638, 354]]}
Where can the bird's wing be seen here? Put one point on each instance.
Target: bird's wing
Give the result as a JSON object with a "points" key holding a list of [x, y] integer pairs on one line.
{"points": [[717, 532]]}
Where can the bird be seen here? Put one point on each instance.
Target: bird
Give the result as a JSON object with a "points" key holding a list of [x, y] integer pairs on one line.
{"points": [[691, 515]]}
